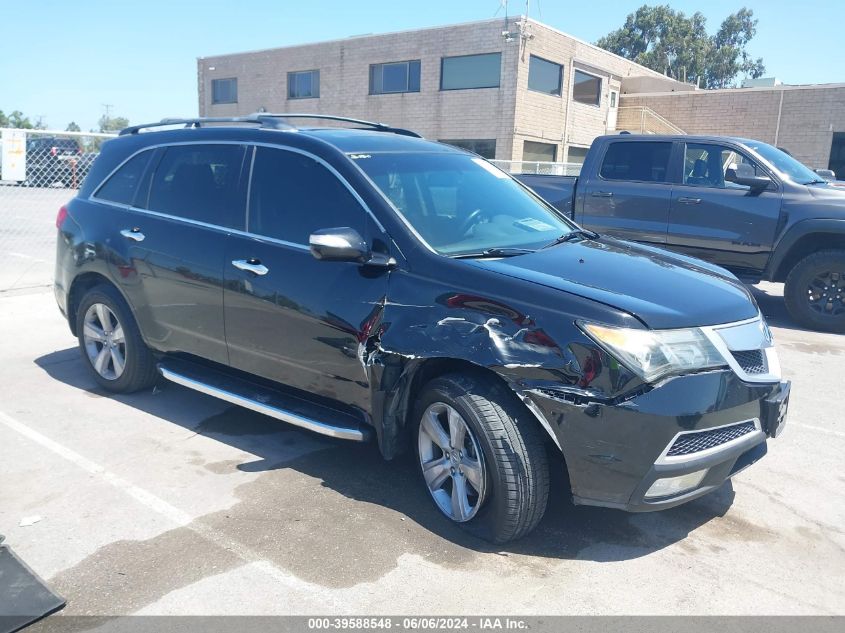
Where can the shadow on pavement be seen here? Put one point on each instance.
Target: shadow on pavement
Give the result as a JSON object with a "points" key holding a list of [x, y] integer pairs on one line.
{"points": [[350, 492]]}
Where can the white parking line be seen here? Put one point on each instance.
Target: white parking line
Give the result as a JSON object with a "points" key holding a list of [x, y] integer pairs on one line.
{"points": [[159, 505]]}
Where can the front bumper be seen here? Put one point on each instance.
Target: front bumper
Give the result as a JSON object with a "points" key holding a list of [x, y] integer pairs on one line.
{"points": [[616, 452]]}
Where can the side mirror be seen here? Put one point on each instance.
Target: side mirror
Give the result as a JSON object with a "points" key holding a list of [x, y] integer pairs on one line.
{"points": [[339, 245], [743, 174]]}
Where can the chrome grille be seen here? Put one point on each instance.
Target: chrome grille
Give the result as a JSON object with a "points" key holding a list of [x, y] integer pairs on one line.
{"points": [[702, 440], [752, 361]]}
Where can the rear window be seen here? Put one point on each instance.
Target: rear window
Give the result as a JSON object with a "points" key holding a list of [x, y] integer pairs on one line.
{"points": [[200, 182], [122, 185], [633, 160]]}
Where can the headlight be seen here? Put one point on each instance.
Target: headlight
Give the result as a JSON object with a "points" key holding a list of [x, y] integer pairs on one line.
{"points": [[656, 353]]}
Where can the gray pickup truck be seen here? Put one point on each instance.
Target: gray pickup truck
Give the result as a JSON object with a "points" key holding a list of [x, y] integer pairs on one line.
{"points": [[738, 203]]}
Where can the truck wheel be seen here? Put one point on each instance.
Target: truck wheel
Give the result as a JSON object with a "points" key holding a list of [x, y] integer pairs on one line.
{"points": [[111, 343], [481, 457], [815, 291]]}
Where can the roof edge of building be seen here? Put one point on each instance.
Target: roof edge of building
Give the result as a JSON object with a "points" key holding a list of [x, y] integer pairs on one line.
{"points": [[714, 91]]}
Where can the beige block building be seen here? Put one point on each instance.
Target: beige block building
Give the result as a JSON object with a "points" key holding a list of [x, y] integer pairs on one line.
{"points": [[514, 90], [509, 89], [808, 120]]}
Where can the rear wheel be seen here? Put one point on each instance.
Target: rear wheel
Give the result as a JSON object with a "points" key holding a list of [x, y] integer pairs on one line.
{"points": [[481, 457], [815, 291], [111, 343]]}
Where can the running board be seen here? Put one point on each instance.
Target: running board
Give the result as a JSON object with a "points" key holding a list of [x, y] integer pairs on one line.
{"points": [[270, 402]]}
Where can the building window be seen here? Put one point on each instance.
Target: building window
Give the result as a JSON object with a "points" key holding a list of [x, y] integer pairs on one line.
{"points": [[543, 152], [544, 76], [304, 84], [224, 90], [587, 88], [395, 77], [486, 148], [470, 71], [577, 154]]}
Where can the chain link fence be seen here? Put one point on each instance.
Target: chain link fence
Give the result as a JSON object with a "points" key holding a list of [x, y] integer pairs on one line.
{"points": [[40, 170], [538, 167]]}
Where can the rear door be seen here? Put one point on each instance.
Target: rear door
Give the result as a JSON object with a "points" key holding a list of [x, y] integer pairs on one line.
{"points": [[170, 244], [629, 196], [719, 221], [297, 320]]}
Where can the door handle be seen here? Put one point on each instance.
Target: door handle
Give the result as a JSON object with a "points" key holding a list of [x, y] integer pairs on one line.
{"points": [[602, 194], [133, 234], [689, 200], [251, 266]]}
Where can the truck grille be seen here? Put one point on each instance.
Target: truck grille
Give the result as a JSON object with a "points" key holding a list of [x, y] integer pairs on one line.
{"points": [[702, 440], [752, 361]]}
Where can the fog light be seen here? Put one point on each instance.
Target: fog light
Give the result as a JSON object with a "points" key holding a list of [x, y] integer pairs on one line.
{"points": [[675, 485]]}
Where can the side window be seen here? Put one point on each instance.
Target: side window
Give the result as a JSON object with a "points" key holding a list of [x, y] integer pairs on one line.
{"points": [[646, 161], [292, 195], [200, 182], [705, 165], [122, 186]]}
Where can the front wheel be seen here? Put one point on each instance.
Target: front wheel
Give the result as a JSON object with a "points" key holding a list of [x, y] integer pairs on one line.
{"points": [[481, 457], [815, 291]]}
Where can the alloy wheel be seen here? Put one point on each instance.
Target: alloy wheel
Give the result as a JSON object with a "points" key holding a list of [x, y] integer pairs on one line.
{"points": [[826, 293], [451, 462], [105, 343]]}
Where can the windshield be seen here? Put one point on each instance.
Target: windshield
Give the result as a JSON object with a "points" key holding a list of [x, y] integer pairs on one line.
{"points": [[785, 164], [461, 204]]}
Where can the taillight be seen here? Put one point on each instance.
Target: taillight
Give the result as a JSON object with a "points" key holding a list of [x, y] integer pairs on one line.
{"points": [[61, 217]]}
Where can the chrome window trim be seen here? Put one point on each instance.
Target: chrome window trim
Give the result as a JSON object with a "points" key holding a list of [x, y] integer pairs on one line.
{"points": [[663, 458], [92, 197]]}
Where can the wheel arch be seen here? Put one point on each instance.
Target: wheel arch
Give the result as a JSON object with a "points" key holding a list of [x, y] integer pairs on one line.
{"points": [[80, 285], [803, 239], [395, 416]]}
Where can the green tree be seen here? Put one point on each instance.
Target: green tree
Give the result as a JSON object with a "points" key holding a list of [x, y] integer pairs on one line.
{"points": [[112, 124], [670, 42], [18, 120], [73, 127], [4, 120]]}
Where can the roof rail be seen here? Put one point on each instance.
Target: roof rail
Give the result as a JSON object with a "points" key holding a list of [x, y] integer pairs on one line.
{"points": [[266, 120], [380, 127]]}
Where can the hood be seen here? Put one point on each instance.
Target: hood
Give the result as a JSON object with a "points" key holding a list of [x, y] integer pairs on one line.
{"points": [[833, 196], [659, 288]]}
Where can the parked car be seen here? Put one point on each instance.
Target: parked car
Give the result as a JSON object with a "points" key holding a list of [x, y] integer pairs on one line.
{"points": [[369, 283], [52, 161], [830, 176], [738, 203]]}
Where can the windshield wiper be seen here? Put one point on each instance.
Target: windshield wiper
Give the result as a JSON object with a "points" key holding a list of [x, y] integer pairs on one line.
{"points": [[494, 252], [816, 182], [573, 234]]}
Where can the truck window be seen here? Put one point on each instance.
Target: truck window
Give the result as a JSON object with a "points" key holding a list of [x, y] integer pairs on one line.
{"points": [[705, 165], [646, 161]]}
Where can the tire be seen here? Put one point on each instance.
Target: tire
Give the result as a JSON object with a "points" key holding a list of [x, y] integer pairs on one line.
{"points": [[503, 442], [815, 291], [120, 338]]}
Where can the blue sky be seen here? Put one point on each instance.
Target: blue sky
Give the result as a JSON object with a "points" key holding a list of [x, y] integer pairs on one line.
{"points": [[140, 57]]}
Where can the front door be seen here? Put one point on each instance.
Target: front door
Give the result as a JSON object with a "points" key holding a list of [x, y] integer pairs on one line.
{"points": [[720, 221], [291, 318]]}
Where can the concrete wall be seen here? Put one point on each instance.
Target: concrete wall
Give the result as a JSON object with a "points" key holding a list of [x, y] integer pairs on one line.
{"points": [[801, 119]]}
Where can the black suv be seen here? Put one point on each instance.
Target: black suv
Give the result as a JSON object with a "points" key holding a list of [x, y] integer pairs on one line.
{"points": [[366, 282], [52, 160]]}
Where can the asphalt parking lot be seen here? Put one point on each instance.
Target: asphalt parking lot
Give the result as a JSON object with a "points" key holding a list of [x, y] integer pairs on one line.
{"points": [[170, 502]]}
